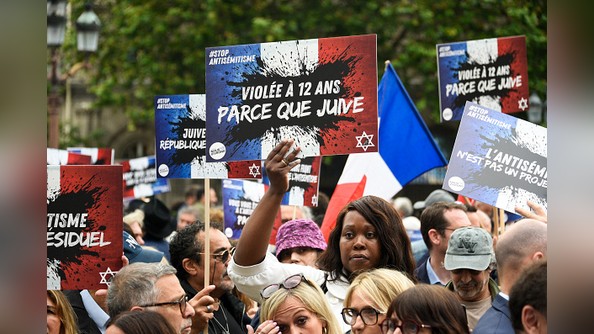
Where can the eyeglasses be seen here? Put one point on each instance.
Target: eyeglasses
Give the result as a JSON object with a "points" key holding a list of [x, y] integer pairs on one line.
{"points": [[223, 256], [388, 326], [182, 302], [289, 283], [368, 315]]}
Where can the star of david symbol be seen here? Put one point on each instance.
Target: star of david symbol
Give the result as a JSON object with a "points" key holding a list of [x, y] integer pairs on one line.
{"points": [[254, 170], [523, 104], [364, 141], [103, 274], [314, 200]]}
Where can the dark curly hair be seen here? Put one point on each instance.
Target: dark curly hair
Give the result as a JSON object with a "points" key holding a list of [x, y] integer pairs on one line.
{"points": [[185, 245], [395, 243]]}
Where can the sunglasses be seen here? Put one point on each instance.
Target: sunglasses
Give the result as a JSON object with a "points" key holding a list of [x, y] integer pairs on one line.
{"points": [[388, 326], [368, 315], [182, 302], [289, 283], [222, 256]]}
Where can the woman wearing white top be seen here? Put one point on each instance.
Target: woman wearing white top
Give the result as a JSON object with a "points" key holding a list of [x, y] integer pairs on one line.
{"points": [[368, 234]]}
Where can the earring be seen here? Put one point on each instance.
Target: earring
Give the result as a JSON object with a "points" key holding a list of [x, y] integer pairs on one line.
{"points": [[324, 330]]}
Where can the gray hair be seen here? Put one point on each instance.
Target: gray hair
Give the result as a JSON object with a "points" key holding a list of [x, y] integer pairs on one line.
{"points": [[134, 285], [191, 210], [403, 204]]}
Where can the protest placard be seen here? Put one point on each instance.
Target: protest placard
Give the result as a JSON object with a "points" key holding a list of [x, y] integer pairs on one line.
{"points": [[181, 140], [498, 159], [140, 178], [63, 157], [320, 92], [84, 226], [99, 155], [491, 72], [239, 200], [303, 183]]}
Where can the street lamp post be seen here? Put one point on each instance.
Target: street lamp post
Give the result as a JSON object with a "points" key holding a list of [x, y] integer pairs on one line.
{"points": [[88, 25], [56, 29]]}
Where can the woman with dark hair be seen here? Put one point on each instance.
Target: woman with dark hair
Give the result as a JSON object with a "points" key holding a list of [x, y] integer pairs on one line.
{"points": [[139, 322], [368, 234], [425, 309], [377, 220]]}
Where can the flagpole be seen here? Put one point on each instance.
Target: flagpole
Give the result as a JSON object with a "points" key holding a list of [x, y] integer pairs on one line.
{"points": [[501, 222], [496, 220]]}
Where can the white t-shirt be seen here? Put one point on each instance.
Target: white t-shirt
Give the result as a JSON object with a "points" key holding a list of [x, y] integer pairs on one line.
{"points": [[252, 279]]}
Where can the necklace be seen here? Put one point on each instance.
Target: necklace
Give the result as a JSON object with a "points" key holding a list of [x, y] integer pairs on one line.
{"points": [[226, 328]]}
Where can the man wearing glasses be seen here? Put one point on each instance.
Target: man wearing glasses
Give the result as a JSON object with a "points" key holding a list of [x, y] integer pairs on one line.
{"points": [[152, 286], [438, 221], [187, 256]]}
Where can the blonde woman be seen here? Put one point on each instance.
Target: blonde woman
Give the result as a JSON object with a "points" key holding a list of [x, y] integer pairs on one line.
{"points": [[369, 296], [60, 315], [296, 305]]}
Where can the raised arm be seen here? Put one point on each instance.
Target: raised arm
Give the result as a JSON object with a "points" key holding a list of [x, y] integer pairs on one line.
{"points": [[252, 245]]}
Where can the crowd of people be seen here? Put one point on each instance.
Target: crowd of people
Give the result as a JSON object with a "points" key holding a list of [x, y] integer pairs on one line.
{"points": [[447, 270]]}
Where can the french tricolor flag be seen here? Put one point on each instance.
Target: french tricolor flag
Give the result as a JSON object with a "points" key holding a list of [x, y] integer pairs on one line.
{"points": [[406, 150]]}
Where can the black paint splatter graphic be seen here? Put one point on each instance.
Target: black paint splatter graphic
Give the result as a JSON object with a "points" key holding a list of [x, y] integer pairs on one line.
{"points": [[187, 155], [512, 146], [340, 68], [503, 60], [74, 201]]}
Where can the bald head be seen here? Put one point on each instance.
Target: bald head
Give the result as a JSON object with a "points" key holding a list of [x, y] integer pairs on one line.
{"points": [[521, 244]]}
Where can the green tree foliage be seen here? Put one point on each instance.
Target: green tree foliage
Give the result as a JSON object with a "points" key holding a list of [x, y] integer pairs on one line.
{"points": [[152, 47]]}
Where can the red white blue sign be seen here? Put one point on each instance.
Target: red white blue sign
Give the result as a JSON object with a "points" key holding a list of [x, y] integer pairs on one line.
{"points": [[320, 92], [498, 159], [181, 141], [491, 72]]}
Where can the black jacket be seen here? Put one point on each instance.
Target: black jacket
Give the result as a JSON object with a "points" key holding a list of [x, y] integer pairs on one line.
{"points": [[230, 303]]}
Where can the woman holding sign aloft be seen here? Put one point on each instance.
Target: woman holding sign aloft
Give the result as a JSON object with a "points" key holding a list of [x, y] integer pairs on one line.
{"points": [[368, 234]]}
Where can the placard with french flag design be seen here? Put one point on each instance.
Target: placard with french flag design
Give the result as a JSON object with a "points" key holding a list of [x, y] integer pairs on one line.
{"points": [[498, 159], [491, 72], [63, 157], [320, 92], [140, 178], [181, 139], [84, 226], [240, 197], [99, 155], [303, 183]]}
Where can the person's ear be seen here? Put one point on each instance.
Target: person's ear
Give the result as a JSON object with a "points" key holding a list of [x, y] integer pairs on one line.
{"points": [[137, 308], [434, 236], [189, 266], [531, 320], [537, 256]]}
